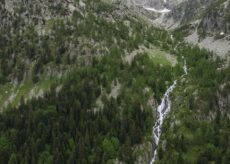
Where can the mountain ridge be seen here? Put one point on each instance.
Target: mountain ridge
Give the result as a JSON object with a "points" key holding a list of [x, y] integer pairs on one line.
{"points": [[209, 20]]}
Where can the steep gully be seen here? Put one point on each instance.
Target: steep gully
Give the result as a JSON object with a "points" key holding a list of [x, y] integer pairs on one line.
{"points": [[162, 110]]}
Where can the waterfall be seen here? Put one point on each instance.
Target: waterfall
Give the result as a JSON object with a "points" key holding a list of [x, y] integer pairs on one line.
{"points": [[162, 110], [185, 67]]}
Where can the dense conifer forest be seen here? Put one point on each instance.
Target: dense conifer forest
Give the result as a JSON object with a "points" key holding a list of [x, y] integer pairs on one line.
{"points": [[101, 83]]}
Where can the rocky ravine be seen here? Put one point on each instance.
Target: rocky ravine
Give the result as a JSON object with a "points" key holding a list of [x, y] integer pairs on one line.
{"points": [[208, 20]]}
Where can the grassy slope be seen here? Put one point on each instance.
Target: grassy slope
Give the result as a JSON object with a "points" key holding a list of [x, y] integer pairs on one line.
{"points": [[13, 93]]}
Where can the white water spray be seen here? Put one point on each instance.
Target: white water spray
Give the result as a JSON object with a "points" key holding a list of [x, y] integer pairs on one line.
{"points": [[185, 67], [162, 110]]}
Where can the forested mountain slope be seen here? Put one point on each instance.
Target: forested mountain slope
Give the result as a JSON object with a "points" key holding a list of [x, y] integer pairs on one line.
{"points": [[87, 81], [48, 50], [80, 82], [197, 129]]}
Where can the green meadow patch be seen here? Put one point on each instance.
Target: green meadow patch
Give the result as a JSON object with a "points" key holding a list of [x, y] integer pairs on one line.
{"points": [[161, 57]]}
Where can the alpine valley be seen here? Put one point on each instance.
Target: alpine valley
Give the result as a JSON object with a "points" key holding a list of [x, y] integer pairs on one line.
{"points": [[115, 82]]}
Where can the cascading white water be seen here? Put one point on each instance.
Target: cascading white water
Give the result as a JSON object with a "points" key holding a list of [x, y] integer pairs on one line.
{"points": [[185, 67], [162, 110]]}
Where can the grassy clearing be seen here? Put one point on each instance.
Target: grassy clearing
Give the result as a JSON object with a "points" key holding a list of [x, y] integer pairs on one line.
{"points": [[22, 90], [161, 57], [13, 94]]}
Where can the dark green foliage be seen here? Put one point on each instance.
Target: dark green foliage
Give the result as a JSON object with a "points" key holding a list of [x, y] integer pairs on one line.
{"points": [[65, 128], [199, 138], [69, 127]]}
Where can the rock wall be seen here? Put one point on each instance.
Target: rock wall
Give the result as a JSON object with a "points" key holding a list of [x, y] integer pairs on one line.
{"points": [[217, 19]]}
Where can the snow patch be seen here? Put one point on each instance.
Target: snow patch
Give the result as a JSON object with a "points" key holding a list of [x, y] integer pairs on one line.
{"points": [[165, 10], [222, 33]]}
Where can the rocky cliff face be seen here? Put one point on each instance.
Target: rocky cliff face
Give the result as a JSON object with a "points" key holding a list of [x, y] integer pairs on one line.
{"points": [[212, 29], [216, 19], [181, 11], [208, 21], [213, 15]]}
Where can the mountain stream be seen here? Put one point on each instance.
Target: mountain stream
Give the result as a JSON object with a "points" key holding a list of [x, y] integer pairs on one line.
{"points": [[162, 111]]}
